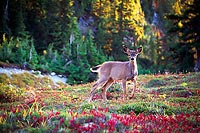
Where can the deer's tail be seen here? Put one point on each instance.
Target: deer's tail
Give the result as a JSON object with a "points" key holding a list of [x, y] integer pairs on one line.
{"points": [[95, 69]]}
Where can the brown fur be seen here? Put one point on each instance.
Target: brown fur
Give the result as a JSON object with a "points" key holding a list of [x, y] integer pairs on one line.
{"points": [[112, 71]]}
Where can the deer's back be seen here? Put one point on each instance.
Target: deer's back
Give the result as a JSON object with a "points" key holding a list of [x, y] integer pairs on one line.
{"points": [[116, 70]]}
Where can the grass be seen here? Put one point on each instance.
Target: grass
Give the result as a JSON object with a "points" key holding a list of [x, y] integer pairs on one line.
{"points": [[29, 101]]}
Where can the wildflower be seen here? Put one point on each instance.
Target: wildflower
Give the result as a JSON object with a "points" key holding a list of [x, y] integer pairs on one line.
{"points": [[180, 25], [2, 120], [44, 52], [62, 120], [57, 113], [111, 125], [4, 37]]}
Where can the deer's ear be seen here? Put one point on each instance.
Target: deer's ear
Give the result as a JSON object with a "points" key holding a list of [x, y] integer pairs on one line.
{"points": [[126, 49], [139, 50]]}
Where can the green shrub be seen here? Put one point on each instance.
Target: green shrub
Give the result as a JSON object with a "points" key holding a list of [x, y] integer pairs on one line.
{"points": [[33, 57], [51, 61], [7, 49], [78, 73], [136, 108], [19, 50], [87, 107], [147, 108], [73, 59]]}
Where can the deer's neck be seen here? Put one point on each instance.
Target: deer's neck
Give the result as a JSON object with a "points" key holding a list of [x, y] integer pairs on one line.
{"points": [[133, 69]]}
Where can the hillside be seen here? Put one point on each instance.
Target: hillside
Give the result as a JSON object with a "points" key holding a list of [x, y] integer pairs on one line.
{"points": [[161, 103]]}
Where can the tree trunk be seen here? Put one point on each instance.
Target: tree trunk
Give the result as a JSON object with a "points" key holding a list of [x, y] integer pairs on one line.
{"points": [[197, 64]]}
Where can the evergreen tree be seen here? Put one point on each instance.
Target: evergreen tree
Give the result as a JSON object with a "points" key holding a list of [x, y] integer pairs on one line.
{"points": [[48, 22], [4, 28], [186, 19], [16, 16], [33, 56], [120, 20]]}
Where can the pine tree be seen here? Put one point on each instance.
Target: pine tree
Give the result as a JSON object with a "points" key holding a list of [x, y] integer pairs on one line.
{"points": [[16, 17], [33, 56], [4, 28], [185, 19], [120, 20]]}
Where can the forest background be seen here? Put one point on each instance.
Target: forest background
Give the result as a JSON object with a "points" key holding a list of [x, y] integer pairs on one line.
{"points": [[70, 36]]}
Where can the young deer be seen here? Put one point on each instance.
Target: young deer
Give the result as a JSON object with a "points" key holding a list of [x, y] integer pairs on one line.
{"points": [[111, 71]]}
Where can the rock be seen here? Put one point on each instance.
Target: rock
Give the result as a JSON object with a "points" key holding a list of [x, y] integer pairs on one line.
{"points": [[53, 74]]}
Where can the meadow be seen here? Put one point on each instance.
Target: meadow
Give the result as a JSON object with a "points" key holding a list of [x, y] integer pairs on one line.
{"points": [[162, 103]]}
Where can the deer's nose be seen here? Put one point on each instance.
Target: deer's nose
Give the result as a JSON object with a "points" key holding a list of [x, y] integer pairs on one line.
{"points": [[132, 58]]}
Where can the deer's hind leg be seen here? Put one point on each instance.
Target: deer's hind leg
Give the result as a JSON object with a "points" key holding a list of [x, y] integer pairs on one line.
{"points": [[105, 88], [98, 83]]}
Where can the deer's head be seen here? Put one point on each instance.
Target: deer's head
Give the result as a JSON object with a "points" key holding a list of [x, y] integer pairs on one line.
{"points": [[132, 54]]}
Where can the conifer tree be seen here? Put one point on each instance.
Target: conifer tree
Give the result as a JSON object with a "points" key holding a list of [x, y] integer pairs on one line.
{"points": [[121, 19], [186, 19]]}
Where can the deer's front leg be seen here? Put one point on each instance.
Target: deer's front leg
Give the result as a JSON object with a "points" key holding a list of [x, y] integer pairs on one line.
{"points": [[134, 88], [124, 89]]}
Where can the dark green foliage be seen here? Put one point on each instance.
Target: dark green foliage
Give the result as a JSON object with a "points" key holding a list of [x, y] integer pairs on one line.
{"points": [[23, 47], [94, 55], [33, 57], [6, 53], [83, 54], [48, 22], [145, 66], [78, 73], [51, 61], [180, 58], [151, 108], [136, 108], [185, 27], [19, 50], [148, 9], [87, 106], [73, 58], [16, 17]]}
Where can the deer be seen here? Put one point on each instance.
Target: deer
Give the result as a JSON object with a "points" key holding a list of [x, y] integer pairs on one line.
{"points": [[112, 71]]}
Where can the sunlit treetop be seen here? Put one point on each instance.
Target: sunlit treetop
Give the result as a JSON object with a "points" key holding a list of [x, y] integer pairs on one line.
{"points": [[121, 15], [181, 5], [187, 14]]}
